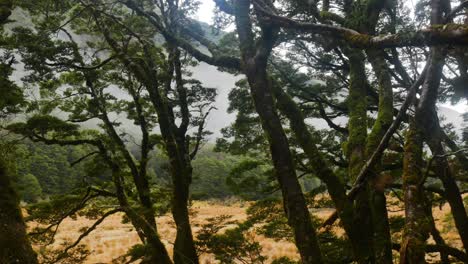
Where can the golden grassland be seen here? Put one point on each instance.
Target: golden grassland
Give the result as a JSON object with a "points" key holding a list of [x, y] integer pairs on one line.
{"points": [[113, 238]]}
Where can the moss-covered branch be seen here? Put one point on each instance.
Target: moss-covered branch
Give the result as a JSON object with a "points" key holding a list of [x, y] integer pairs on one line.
{"points": [[450, 34]]}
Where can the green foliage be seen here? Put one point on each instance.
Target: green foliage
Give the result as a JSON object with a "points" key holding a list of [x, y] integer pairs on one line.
{"points": [[268, 218], [135, 253], [231, 246], [28, 188], [162, 200], [210, 171], [43, 124], [216, 175], [50, 165], [12, 96], [250, 179], [268, 214]]}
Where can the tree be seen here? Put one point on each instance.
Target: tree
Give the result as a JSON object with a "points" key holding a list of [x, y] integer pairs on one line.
{"points": [[157, 85], [351, 28], [356, 65], [14, 243]]}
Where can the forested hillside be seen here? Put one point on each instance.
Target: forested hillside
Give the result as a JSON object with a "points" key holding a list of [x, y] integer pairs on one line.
{"points": [[323, 130]]}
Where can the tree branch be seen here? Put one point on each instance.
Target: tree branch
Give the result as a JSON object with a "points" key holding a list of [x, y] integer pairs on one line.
{"points": [[86, 233], [450, 34]]}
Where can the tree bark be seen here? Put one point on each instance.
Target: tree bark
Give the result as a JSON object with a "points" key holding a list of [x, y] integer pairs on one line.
{"points": [[417, 223], [451, 190], [378, 202], [293, 198], [14, 243], [356, 149], [436, 234], [184, 246], [427, 119]]}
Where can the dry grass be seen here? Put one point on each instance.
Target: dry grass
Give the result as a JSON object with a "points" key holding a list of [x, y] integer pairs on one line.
{"points": [[113, 238]]}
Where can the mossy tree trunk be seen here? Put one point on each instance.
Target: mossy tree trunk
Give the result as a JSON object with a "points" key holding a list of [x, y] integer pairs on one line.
{"points": [[378, 203], [417, 222], [370, 203], [14, 244], [356, 150]]}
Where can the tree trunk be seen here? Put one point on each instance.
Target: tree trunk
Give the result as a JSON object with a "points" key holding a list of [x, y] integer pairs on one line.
{"points": [[336, 188], [378, 203], [14, 244], [417, 223], [158, 253], [356, 150], [254, 64], [181, 173], [293, 198], [184, 246], [452, 192], [427, 117]]}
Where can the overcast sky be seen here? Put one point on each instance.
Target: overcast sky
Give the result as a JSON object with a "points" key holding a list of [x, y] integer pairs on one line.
{"points": [[205, 13]]}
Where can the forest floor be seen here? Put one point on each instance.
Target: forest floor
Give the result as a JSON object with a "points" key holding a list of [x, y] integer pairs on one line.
{"points": [[113, 238]]}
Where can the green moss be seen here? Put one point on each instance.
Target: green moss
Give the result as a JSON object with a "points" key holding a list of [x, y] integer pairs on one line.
{"points": [[357, 105], [385, 114], [359, 40], [412, 162], [449, 27], [332, 16]]}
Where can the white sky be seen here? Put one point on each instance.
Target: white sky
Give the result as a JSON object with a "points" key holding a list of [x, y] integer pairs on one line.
{"points": [[205, 13]]}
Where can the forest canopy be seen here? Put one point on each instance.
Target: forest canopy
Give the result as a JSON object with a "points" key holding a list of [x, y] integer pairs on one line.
{"points": [[337, 106]]}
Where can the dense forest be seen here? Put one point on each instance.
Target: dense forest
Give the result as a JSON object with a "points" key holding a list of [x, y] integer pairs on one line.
{"points": [[337, 107]]}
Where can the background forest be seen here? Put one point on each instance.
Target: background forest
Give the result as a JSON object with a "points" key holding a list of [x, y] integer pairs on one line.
{"points": [[325, 127]]}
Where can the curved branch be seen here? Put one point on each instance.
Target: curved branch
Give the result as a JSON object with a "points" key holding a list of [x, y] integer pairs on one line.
{"points": [[455, 11], [451, 34], [330, 123], [86, 233], [220, 61], [83, 158]]}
